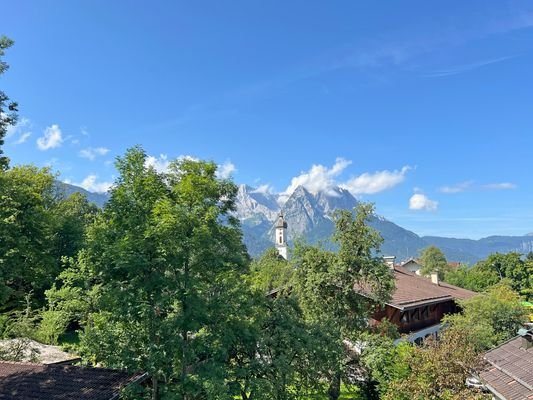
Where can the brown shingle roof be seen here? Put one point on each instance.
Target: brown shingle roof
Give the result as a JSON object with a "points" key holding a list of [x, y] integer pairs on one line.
{"points": [[26, 381], [412, 289], [511, 370]]}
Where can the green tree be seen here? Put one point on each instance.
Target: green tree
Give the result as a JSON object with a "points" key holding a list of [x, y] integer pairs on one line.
{"points": [[26, 262], [436, 370], [491, 318], [70, 218], [433, 260], [477, 278], [8, 109], [161, 265], [38, 227], [384, 362], [270, 271], [326, 283], [288, 356], [511, 267]]}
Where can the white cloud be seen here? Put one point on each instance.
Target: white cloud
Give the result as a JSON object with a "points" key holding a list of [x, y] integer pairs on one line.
{"points": [[90, 183], [500, 186], [92, 152], [264, 189], [379, 181], [23, 124], [160, 164], [319, 178], [460, 187], [419, 201], [469, 186], [52, 138], [226, 170], [22, 138], [323, 179]]}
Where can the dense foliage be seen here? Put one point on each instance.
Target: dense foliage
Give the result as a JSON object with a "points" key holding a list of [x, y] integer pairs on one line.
{"points": [[513, 268], [159, 281]]}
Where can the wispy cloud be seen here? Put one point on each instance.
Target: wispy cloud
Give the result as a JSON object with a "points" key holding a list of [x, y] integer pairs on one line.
{"points": [[458, 188], [264, 189], [370, 183], [226, 170], [51, 138], [160, 164], [20, 129], [22, 138], [320, 178], [92, 184], [419, 201], [467, 67], [500, 186], [471, 186], [92, 152]]}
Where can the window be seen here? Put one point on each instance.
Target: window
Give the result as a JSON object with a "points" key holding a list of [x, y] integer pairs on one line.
{"points": [[424, 313], [404, 317], [280, 240]]}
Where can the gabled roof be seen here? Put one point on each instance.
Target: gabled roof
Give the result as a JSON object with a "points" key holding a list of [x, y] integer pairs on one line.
{"points": [[27, 381], [413, 290], [510, 374]]}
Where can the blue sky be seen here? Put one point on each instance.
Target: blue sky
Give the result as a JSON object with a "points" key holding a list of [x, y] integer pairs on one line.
{"points": [[424, 108]]}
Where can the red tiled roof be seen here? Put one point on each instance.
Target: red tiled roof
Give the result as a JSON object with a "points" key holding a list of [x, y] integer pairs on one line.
{"points": [[511, 370], [26, 381], [412, 289]]}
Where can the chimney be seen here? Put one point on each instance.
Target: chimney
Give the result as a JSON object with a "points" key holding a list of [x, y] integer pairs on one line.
{"points": [[435, 277], [389, 260], [526, 342]]}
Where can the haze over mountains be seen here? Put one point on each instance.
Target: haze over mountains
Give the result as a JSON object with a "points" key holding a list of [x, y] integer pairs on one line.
{"points": [[308, 216]]}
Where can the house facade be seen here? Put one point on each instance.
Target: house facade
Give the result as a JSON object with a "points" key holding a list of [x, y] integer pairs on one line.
{"points": [[418, 304]]}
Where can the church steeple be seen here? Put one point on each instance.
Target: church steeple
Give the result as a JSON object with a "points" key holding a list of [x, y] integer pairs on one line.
{"points": [[281, 236]]}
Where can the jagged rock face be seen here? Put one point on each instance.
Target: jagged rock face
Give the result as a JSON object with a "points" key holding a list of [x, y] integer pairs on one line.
{"points": [[251, 204], [308, 216]]}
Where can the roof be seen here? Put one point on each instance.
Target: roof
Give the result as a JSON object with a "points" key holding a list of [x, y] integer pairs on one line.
{"points": [[43, 353], [281, 223], [409, 260], [510, 373], [412, 290], [27, 381]]}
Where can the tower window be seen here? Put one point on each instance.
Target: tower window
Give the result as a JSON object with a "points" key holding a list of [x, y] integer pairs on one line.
{"points": [[280, 239]]}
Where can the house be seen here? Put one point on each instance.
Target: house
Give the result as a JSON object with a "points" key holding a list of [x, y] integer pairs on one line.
{"points": [[509, 375], [412, 265], [418, 304], [28, 381]]}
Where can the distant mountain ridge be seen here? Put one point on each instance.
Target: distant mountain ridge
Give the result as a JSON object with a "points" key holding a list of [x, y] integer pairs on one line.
{"points": [[308, 216]]}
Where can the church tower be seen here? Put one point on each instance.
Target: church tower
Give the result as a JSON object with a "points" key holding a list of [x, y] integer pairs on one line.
{"points": [[281, 236]]}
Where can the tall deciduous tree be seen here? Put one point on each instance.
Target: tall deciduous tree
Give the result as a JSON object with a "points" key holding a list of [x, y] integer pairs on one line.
{"points": [[38, 226], [326, 282], [270, 271], [433, 260], [8, 109], [164, 257]]}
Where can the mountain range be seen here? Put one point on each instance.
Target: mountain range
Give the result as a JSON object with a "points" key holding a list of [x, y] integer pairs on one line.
{"points": [[308, 216]]}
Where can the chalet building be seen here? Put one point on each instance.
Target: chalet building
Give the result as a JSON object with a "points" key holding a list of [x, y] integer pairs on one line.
{"points": [[412, 265], [418, 304], [27, 381], [509, 375]]}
